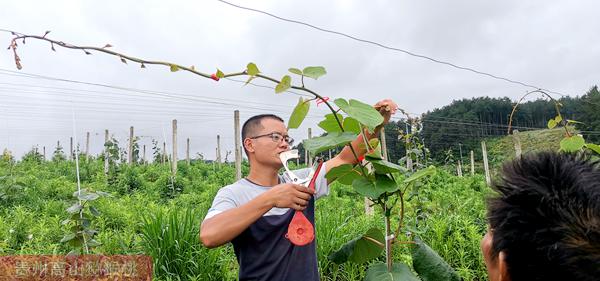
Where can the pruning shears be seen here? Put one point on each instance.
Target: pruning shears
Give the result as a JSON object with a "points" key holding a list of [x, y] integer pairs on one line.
{"points": [[300, 231]]}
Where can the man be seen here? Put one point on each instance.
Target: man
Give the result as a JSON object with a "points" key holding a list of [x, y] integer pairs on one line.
{"points": [[545, 222], [254, 213]]}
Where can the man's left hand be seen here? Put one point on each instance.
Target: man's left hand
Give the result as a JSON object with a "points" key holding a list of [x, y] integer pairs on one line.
{"points": [[387, 108]]}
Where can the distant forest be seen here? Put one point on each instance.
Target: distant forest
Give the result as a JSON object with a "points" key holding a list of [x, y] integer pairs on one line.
{"points": [[461, 125]]}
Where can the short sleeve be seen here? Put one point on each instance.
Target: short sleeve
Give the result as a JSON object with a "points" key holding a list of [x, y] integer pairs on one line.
{"points": [[224, 200], [321, 186]]}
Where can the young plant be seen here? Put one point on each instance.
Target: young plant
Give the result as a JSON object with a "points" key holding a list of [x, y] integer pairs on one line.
{"points": [[81, 234]]}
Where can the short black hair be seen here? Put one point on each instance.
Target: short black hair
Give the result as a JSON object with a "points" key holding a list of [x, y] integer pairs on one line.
{"points": [[546, 218], [253, 124]]}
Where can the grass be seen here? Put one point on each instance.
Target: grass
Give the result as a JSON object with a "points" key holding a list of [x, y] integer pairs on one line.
{"points": [[141, 218]]}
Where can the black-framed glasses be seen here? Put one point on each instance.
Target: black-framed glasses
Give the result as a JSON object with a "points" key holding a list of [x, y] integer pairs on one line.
{"points": [[277, 137]]}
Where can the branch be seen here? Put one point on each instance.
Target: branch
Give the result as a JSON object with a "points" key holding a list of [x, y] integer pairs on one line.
{"points": [[556, 106]]}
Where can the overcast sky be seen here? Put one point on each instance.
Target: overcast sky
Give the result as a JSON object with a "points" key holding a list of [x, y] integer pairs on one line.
{"points": [[551, 44]]}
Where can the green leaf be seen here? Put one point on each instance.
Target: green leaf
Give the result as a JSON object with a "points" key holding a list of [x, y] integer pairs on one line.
{"points": [[314, 71], [252, 69], [93, 243], [360, 250], [74, 209], [593, 147], [331, 140], [362, 112], [344, 174], [299, 113], [174, 68], [385, 167], [67, 237], [88, 196], [295, 71], [574, 122], [330, 125], [572, 143], [220, 74], [374, 153], [385, 183], [286, 83], [429, 265], [400, 272], [351, 125], [366, 188], [558, 119], [551, 124], [94, 211], [421, 173]]}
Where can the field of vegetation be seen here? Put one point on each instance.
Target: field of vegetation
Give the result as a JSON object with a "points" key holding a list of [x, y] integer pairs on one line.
{"points": [[148, 212]]}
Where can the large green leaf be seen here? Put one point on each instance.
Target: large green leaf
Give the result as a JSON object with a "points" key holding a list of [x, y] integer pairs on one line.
{"points": [[421, 173], [429, 265], [331, 140], [362, 112], [366, 188], [384, 167], [400, 272], [351, 125], [75, 208], [593, 147], [299, 113], [344, 174], [385, 183], [314, 71], [361, 249], [572, 143], [331, 125], [286, 83]]}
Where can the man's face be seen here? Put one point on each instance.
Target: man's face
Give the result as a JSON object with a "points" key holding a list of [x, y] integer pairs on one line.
{"points": [[266, 150]]}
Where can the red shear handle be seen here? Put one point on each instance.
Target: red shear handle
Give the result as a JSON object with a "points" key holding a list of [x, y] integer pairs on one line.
{"points": [[300, 231]]}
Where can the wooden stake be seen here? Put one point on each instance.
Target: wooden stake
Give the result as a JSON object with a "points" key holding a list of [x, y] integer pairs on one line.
{"points": [[87, 146], [164, 155], [130, 154], [472, 163], [459, 169], [488, 178], [308, 155], [174, 156], [238, 151], [218, 150], [383, 144], [187, 151], [44, 149], [105, 152], [517, 141], [144, 154], [71, 149]]}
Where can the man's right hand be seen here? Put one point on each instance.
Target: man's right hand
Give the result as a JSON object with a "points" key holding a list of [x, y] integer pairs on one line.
{"points": [[289, 195]]}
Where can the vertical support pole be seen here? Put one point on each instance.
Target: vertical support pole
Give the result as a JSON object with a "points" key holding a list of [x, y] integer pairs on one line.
{"points": [[517, 141], [130, 154], [71, 149], [383, 144], [164, 154], [488, 179], [105, 152], [44, 149], [459, 168], [218, 150], [472, 163], [144, 154], [174, 156], [187, 151], [87, 146], [409, 164], [238, 151], [309, 163]]}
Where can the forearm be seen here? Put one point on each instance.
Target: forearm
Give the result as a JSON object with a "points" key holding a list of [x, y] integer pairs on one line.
{"points": [[227, 225]]}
